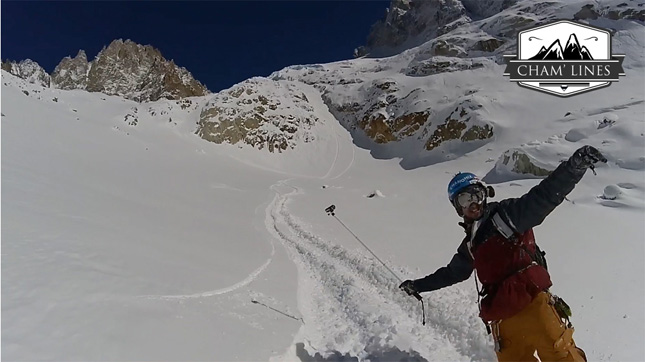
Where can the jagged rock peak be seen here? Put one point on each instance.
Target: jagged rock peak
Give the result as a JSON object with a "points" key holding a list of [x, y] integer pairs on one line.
{"points": [[29, 70], [71, 73], [409, 23], [140, 73]]}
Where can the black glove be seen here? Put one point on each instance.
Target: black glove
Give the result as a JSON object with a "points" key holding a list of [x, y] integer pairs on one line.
{"points": [[408, 287], [586, 157]]}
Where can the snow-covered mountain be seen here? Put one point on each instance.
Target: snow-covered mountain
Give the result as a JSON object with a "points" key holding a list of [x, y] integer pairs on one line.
{"points": [[465, 28], [194, 228], [407, 102], [414, 101], [123, 68], [390, 105]]}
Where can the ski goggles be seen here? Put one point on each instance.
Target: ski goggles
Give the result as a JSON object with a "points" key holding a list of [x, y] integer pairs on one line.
{"points": [[474, 194]]}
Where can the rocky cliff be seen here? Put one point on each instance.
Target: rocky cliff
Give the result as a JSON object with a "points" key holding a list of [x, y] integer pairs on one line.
{"points": [[140, 73], [71, 73], [271, 115], [123, 68], [466, 28]]}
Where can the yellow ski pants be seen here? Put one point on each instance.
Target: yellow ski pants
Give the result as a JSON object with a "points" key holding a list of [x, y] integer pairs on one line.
{"points": [[536, 328]]}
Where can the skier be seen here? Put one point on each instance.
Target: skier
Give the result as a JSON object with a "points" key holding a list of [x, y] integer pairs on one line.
{"points": [[514, 301]]}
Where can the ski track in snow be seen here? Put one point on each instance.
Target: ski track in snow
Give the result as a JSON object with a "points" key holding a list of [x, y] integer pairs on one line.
{"points": [[331, 168], [333, 165], [251, 277], [332, 124], [352, 305], [350, 164]]}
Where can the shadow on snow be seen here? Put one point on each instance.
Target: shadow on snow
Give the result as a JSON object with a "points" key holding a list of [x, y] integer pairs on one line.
{"points": [[392, 354]]}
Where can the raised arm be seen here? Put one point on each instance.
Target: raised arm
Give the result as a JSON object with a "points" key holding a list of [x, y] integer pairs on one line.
{"points": [[533, 207]]}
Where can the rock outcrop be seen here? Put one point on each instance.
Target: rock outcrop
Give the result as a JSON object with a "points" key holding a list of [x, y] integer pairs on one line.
{"points": [[259, 112], [140, 73], [464, 123], [28, 70], [518, 162], [622, 11], [386, 113], [409, 23], [71, 73]]}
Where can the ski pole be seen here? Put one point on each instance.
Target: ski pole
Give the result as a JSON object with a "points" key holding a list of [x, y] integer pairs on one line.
{"points": [[331, 212], [275, 310]]}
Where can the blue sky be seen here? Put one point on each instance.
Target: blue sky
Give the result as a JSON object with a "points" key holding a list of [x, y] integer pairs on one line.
{"points": [[221, 43]]}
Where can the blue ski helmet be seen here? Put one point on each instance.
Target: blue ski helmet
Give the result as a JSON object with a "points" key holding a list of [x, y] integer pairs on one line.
{"points": [[461, 181]]}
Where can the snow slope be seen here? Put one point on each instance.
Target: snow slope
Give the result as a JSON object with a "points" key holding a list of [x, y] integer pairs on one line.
{"points": [[127, 237]]}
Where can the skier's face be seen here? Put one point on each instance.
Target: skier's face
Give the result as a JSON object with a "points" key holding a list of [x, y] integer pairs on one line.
{"points": [[471, 201], [473, 211]]}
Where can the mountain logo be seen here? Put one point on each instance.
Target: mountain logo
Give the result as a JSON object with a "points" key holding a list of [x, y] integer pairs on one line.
{"points": [[573, 51], [585, 62]]}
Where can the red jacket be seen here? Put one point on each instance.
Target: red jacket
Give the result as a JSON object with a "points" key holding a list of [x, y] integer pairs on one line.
{"points": [[509, 273]]}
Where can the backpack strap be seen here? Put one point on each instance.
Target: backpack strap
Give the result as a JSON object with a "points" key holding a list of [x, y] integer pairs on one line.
{"points": [[508, 231]]}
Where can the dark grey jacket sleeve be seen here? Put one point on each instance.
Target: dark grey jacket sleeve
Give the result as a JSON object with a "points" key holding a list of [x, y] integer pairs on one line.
{"points": [[534, 206], [459, 269]]}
